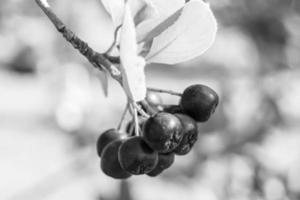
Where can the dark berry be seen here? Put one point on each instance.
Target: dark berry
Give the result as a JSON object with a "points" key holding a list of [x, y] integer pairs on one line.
{"points": [[107, 137], [162, 132], [199, 101], [110, 164], [136, 157], [190, 134], [164, 162], [173, 109]]}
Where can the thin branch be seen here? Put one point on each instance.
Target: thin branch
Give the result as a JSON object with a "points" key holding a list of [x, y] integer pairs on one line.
{"points": [[147, 107], [112, 46], [164, 91], [136, 122], [140, 110], [98, 60]]}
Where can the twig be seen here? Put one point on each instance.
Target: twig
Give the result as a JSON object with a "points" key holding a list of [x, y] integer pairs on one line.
{"points": [[147, 107], [136, 122], [98, 60], [115, 40], [164, 91]]}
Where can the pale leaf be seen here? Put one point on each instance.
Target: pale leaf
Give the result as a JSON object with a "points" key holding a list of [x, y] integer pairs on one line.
{"points": [[115, 8], [140, 10], [132, 65], [191, 35], [165, 8]]}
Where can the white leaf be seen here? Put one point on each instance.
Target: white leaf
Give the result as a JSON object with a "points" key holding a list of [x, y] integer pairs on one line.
{"points": [[191, 35], [132, 65], [140, 10], [165, 8], [115, 8]]}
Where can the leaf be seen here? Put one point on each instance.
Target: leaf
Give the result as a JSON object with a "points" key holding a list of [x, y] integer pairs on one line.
{"points": [[132, 65], [162, 26], [140, 9], [165, 9], [115, 8], [191, 35]]}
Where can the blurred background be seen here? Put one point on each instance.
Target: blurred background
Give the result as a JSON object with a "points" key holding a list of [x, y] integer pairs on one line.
{"points": [[52, 107]]}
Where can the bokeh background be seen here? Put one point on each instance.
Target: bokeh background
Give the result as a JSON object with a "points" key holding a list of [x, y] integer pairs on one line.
{"points": [[52, 107]]}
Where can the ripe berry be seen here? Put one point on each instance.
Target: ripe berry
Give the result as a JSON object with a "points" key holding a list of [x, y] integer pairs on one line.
{"points": [[164, 162], [162, 132], [110, 164], [190, 134], [173, 109], [153, 99], [136, 157], [107, 137], [199, 101]]}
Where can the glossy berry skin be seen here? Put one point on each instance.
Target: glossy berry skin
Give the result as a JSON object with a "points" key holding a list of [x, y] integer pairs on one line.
{"points": [[199, 101], [162, 132], [173, 109], [136, 157], [153, 99], [107, 137], [110, 164], [164, 162], [190, 134]]}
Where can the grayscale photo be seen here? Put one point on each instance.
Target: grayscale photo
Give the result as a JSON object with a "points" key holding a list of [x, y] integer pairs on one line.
{"points": [[150, 100]]}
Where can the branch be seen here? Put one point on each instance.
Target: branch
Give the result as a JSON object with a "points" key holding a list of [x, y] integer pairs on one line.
{"points": [[96, 59], [164, 91]]}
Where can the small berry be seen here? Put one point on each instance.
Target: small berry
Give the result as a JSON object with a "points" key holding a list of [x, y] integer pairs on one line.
{"points": [[190, 134], [199, 101], [107, 137], [153, 99], [162, 132], [136, 157], [173, 109], [110, 162], [164, 162]]}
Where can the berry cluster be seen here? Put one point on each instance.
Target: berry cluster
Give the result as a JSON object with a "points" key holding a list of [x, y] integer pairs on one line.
{"points": [[171, 130]]}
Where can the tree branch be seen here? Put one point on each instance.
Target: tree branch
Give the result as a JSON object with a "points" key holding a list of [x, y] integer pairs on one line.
{"points": [[96, 59], [164, 91]]}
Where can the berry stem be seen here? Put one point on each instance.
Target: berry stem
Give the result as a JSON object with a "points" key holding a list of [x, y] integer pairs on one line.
{"points": [[148, 108], [98, 60], [136, 121], [141, 111], [164, 91], [123, 117], [115, 40]]}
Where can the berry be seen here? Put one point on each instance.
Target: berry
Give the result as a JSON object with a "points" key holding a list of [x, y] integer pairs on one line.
{"points": [[162, 132], [107, 137], [153, 99], [199, 101], [136, 157], [173, 109], [190, 134], [164, 162], [110, 163]]}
